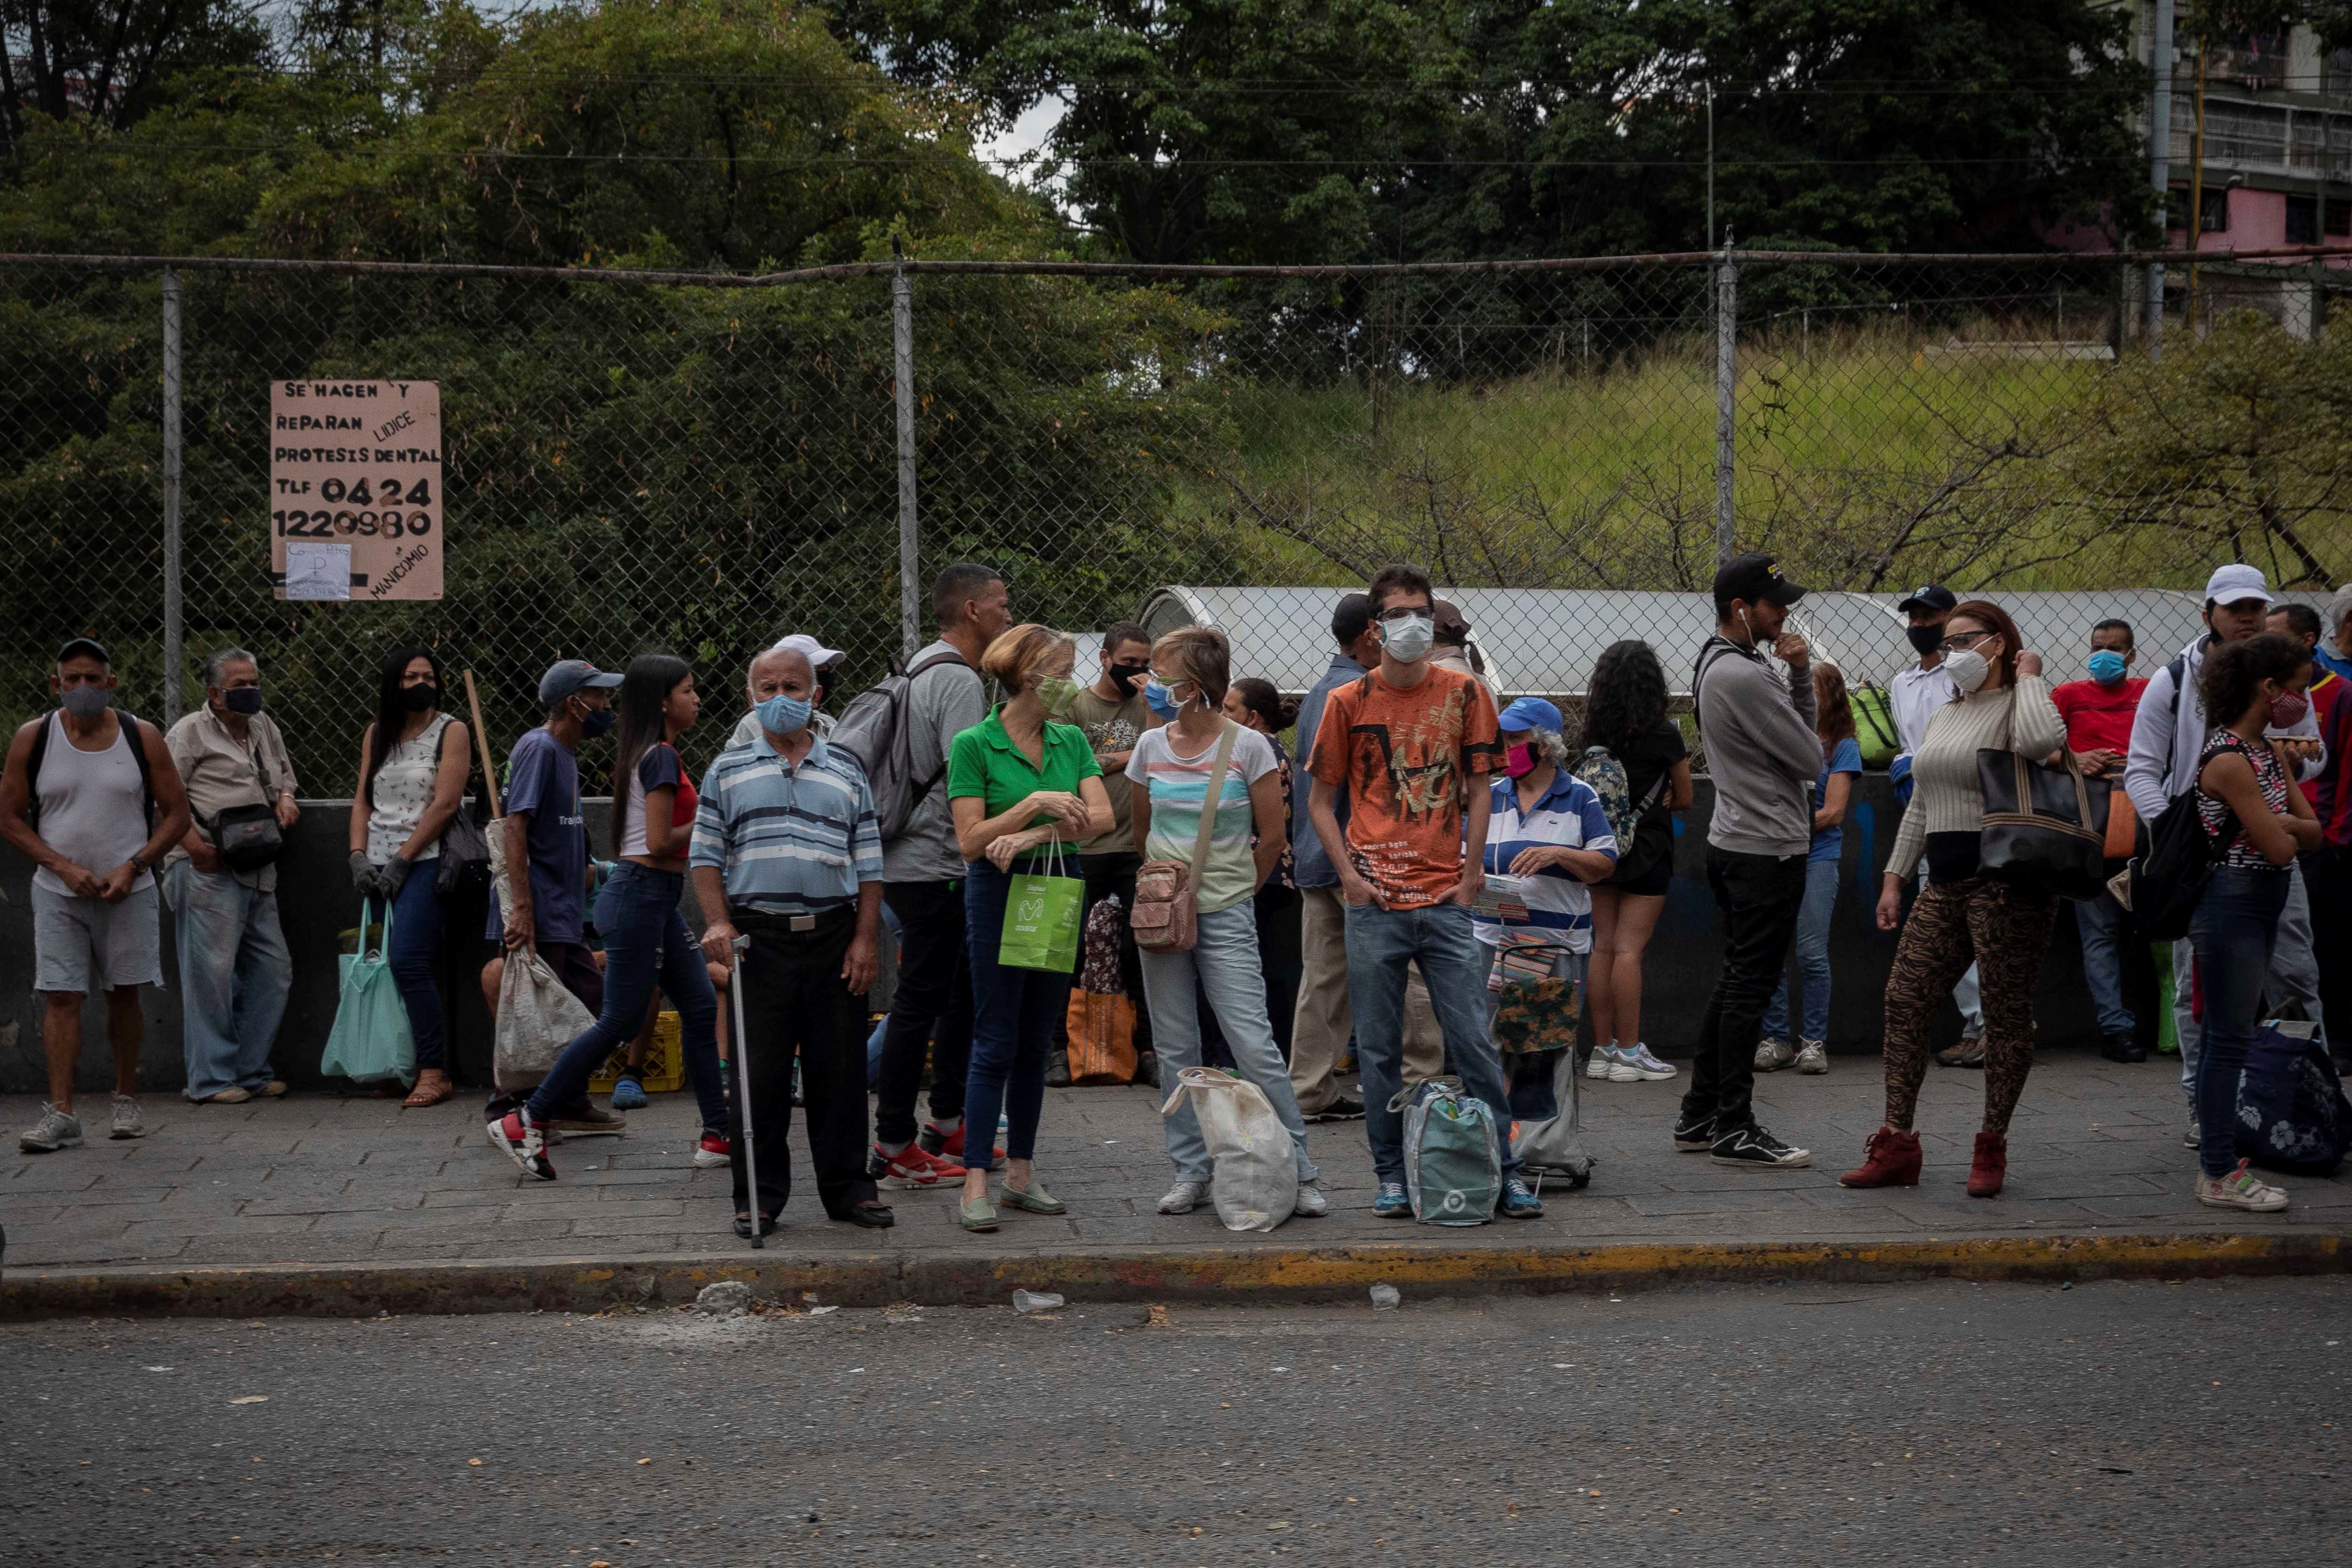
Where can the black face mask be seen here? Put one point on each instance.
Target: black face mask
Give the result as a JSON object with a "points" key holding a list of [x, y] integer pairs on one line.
{"points": [[1927, 640], [1127, 676], [420, 699], [245, 700]]}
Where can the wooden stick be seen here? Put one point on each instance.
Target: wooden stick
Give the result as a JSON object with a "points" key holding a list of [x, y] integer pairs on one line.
{"points": [[482, 740]]}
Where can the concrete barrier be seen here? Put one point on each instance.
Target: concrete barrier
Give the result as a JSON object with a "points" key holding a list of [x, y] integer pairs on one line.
{"points": [[316, 907]]}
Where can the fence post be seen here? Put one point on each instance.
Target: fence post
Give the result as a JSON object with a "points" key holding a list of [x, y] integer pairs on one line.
{"points": [[174, 675], [1727, 376], [902, 335]]}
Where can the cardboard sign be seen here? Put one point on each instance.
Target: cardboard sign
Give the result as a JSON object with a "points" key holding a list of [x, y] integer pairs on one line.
{"points": [[355, 502]]}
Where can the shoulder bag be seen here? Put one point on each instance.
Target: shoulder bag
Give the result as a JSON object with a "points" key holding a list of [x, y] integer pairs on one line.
{"points": [[2045, 829], [247, 837], [1167, 914], [465, 849]]}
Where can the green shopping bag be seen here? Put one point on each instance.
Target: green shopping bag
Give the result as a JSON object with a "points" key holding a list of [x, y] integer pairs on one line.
{"points": [[370, 1042], [1040, 919]]}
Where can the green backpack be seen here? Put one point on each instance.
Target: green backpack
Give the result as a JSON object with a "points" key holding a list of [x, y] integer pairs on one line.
{"points": [[1452, 1154], [1873, 724]]}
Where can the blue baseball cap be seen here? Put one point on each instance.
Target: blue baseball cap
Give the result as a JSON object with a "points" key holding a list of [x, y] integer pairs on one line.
{"points": [[1530, 713], [570, 676]]}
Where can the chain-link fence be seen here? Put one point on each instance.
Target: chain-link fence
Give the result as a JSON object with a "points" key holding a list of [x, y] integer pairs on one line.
{"points": [[639, 461]]}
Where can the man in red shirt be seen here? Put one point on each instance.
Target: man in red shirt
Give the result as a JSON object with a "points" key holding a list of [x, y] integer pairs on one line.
{"points": [[2098, 714]]}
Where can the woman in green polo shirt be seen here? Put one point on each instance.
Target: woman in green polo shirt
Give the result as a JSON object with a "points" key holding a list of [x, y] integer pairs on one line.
{"points": [[1017, 782]]}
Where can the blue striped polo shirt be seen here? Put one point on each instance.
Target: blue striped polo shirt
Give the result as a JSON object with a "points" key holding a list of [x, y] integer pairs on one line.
{"points": [[787, 840], [1568, 815]]}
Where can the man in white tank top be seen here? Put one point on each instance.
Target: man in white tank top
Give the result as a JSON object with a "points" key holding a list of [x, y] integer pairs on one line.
{"points": [[95, 816]]}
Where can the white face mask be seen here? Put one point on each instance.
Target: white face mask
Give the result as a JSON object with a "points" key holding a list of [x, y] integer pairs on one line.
{"points": [[1409, 639], [1968, 669]]}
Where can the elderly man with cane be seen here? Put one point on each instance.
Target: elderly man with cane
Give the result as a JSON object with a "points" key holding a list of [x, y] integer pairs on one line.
{"points": [[787, 862]]}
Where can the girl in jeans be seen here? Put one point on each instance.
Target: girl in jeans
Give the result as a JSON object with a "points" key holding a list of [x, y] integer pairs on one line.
{"points": [[1017, 782], [1170, 769], [2242, 791], [412, 765], [1833, 791], [647, 944]]}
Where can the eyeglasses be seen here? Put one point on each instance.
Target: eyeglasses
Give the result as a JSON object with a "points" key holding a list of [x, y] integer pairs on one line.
{"points": [[1960, 642], [1405, 612]]}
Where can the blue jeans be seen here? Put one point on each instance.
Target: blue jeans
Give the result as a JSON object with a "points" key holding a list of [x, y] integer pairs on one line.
{"points": [[1224, 964], [2100, 922], [2234, 929], [416, 956], [1014, 1011], [1812, 958], [646, 946], [234, 972], [1453, 962]]}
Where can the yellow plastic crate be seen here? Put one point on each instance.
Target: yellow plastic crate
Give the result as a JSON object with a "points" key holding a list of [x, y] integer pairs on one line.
{"points": [[665, 1070]]}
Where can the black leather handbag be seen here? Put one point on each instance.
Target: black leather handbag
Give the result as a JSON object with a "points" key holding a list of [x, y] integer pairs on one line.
{"points": [[2045, 829], [247, 837]]}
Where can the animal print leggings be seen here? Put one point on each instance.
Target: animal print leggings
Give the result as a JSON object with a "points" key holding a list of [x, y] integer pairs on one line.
{"points": [[2003, 931]]}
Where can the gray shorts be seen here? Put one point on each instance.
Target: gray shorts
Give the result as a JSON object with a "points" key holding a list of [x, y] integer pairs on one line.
{"points": [[79, 941]]}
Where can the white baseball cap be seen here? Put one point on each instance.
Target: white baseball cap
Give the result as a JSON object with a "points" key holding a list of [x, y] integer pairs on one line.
{"points": [[819, 655], [2235, 584]]}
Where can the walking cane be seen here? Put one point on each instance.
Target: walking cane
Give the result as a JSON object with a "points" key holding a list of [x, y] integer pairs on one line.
{"points": [[742, 1069]]}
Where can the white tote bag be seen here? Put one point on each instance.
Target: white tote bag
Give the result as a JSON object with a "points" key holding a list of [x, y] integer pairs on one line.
{"points": [[1256, 1181], [537, 1016]]}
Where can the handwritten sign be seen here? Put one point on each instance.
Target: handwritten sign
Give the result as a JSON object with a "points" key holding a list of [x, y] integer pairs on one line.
{"points": [[355, 500]]}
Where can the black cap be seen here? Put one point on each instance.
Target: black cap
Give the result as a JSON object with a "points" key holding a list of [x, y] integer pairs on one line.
{"points": [[86, 646], [1350, 617], [1756, 578], [1933, 596]]}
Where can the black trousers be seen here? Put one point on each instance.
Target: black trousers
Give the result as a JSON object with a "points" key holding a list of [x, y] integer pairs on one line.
{"points": [[795, 1004], [1106, 875], [931, 1007], [1758, 897], [2327, 888]]}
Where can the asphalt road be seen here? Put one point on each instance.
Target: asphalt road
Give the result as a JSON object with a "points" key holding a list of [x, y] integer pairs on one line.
{"points": [[2192, 1423]]}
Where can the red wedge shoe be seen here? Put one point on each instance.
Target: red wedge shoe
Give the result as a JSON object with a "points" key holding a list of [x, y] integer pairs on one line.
{"points": [[1990, 1166], [1890, 1159]]}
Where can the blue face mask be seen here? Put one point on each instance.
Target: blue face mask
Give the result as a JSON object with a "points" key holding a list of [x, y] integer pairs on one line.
{"points": [[2106, 667], [1159, 699], [782, 715]]}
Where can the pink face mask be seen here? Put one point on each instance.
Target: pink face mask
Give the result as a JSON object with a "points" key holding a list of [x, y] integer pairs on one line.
{"points": [[1520, 761], [2288, 709]]}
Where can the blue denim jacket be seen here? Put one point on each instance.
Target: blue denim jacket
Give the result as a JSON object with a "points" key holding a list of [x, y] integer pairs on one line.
{"points": [[1309, 865]]}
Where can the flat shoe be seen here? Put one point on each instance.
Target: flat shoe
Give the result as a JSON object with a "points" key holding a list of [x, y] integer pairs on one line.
{"points": [[976, 1214], [743, 1225], [871, 1217], [1034, 1200], [227, 1096]]}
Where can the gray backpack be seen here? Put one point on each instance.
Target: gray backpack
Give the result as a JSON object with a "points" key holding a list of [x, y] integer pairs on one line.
{"points": [[873, 728], [1452, 1154]]}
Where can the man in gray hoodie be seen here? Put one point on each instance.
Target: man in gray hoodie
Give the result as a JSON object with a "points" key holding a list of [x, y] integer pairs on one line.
{"points": [[1763, 755]]}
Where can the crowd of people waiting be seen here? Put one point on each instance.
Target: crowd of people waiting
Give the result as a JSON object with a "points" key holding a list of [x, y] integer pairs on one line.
{"points": [[1344, 915]]}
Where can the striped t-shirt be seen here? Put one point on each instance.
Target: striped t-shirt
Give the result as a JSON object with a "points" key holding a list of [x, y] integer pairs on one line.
{"points": [[787, 840], [1567, 815], [1177, 784]]}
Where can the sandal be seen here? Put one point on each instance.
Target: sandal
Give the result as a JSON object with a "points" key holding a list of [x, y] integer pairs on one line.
{"points": [[433, 1087]]}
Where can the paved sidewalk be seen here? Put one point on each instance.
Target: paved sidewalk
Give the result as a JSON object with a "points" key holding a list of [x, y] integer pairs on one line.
{"points": [[315, 1180]]}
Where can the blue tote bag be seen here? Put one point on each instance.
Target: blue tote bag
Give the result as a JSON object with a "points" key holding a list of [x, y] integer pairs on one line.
{"points": [[370, 1042]]}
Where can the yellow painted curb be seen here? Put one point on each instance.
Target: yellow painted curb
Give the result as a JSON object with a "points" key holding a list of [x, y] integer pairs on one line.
{"points": [[1216, 1274]]}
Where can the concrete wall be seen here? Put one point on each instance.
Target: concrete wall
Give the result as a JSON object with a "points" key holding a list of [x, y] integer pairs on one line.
{"points": [[316, 907]]}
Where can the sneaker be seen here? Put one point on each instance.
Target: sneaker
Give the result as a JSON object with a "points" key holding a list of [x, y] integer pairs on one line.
{"points": [[522, 1140], [56, 1130], [910, 1168], [1772, 1054], [628, 1094], [1184, 1197], [1344, 1108], [1753, 1146], [2194, 1137], [713, 1151], [1812, 1056], [127, 1123], [2240, 1189], [1602, 1061], [1391, 1202], [1520, 1202], [1311, 1203], [1634, 1064], [1694, 1134], [950, 1145]]}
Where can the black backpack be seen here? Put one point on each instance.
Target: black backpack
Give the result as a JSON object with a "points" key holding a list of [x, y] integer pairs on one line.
{"points": [[873, 728], [2170, 876], [41, 749]]}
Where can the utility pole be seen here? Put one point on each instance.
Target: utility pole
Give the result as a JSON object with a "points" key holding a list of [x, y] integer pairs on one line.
{"points": [[2196, 187], [2160, 167], [1710, 165]]}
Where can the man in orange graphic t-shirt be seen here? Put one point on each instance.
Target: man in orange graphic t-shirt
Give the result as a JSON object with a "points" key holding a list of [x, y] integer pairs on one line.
{"points": [[1412, 743]]}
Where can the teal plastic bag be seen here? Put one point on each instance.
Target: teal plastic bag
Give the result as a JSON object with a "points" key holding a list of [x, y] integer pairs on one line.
{"points": [[370, 1042], [1453, 1155]]}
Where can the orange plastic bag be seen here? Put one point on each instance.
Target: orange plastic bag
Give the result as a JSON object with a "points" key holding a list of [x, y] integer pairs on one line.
{"points": [[1102, 1038]]}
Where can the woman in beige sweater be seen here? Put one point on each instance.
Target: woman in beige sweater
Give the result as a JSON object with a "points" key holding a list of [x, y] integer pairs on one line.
{"points": [[1961, 916]]}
